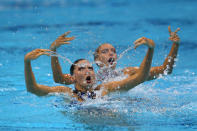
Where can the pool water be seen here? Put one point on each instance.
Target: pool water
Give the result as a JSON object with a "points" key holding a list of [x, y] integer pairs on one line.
{"points": [[167, 103]]}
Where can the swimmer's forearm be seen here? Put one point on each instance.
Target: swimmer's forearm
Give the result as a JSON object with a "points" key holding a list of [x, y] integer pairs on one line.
{"points": [[142, 73], [29, 77], [56, 68], [146, 65], [30, 81], [167, 65], [58, 76], [170, 59]]}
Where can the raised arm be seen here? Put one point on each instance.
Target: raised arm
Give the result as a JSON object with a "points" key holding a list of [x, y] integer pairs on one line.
{"points": [[58, 76], [133, 80], [170, 59], [30, 80]]}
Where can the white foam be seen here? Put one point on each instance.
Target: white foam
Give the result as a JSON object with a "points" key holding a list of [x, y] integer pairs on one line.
{"points": [[7, 89]]}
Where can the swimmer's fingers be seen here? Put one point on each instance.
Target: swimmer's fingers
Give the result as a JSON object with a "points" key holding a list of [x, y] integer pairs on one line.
{"points": [[139, 42], [61, 40], [37, 53], [144, 41], [69, 38], [65, 34], [65, 39], [174, 37], [173, 33], [40, 52], [169, 29], [65, 42], [136, 45], [177, 30], [69, 78]]}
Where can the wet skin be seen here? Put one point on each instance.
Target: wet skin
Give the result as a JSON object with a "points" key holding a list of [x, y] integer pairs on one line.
{"points": [[107, 56], [84, 76], [106, 51]]}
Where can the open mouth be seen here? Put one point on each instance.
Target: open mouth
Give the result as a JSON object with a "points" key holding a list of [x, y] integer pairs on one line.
{"points": [[88, 79], [111, 61]]}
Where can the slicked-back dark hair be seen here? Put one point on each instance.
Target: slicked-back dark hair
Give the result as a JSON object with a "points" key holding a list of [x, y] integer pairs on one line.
{"points": [[73, 66]]}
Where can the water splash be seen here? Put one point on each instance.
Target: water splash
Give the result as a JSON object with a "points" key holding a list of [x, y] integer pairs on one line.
{"points": [[65, 59], [124, 52]]}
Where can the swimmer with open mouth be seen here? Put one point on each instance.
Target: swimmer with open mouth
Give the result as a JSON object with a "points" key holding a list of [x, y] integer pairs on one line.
{"points": [[84, 77], [105, 55]]}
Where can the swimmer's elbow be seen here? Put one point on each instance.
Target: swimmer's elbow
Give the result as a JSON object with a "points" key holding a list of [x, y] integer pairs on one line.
{"points": [[33, 90], [58, 80], [61, 81]]}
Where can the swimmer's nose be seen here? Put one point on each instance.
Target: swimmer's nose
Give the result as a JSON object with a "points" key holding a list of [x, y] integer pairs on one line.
{"points": [[111, 54], [87, 72]]}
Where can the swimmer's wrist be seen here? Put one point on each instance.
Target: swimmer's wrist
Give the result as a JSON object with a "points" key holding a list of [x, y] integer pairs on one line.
{"points": [[26, 59], [53, 48], [151, 47], [151, 44], [178, 42]]}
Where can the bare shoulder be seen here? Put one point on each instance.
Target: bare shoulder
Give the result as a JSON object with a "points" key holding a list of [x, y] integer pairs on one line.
{"points": [[130, 70], [62, 89]]}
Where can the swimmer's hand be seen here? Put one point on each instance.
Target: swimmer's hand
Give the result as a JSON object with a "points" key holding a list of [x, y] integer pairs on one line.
{"points": [[36, 53], [173, 35], [144, 41], [61, 40]]}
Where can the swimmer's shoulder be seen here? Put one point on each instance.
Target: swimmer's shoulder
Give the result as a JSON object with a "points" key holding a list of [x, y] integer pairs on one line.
{"points": [[130, 70]]}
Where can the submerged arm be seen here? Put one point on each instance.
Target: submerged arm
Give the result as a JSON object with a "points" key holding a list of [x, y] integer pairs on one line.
{"points": [[141, 75], [30, 80], [58, 76]]}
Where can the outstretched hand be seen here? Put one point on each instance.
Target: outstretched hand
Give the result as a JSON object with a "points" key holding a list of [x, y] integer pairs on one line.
{"points": [[36, 53], [61, 40], [173, 35], [144, 41]]}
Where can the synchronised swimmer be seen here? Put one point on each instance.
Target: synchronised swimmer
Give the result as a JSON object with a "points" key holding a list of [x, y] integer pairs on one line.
{"points": [[82, 74]]}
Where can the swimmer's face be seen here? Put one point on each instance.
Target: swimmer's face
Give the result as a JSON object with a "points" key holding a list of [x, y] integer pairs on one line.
{"points": [[106, 56], [84, 74]]}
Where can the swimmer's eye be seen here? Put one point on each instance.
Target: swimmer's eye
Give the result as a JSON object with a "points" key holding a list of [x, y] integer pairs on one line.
{"points": [[113, 50], [90, 68], [81, 68], [104, 51]]}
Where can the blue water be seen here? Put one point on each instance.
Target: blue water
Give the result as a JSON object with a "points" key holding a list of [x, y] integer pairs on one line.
{"points": [[168, 103]]}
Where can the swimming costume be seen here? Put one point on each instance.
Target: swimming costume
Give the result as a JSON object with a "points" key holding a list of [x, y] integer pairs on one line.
{"points": [[90, 95]]}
